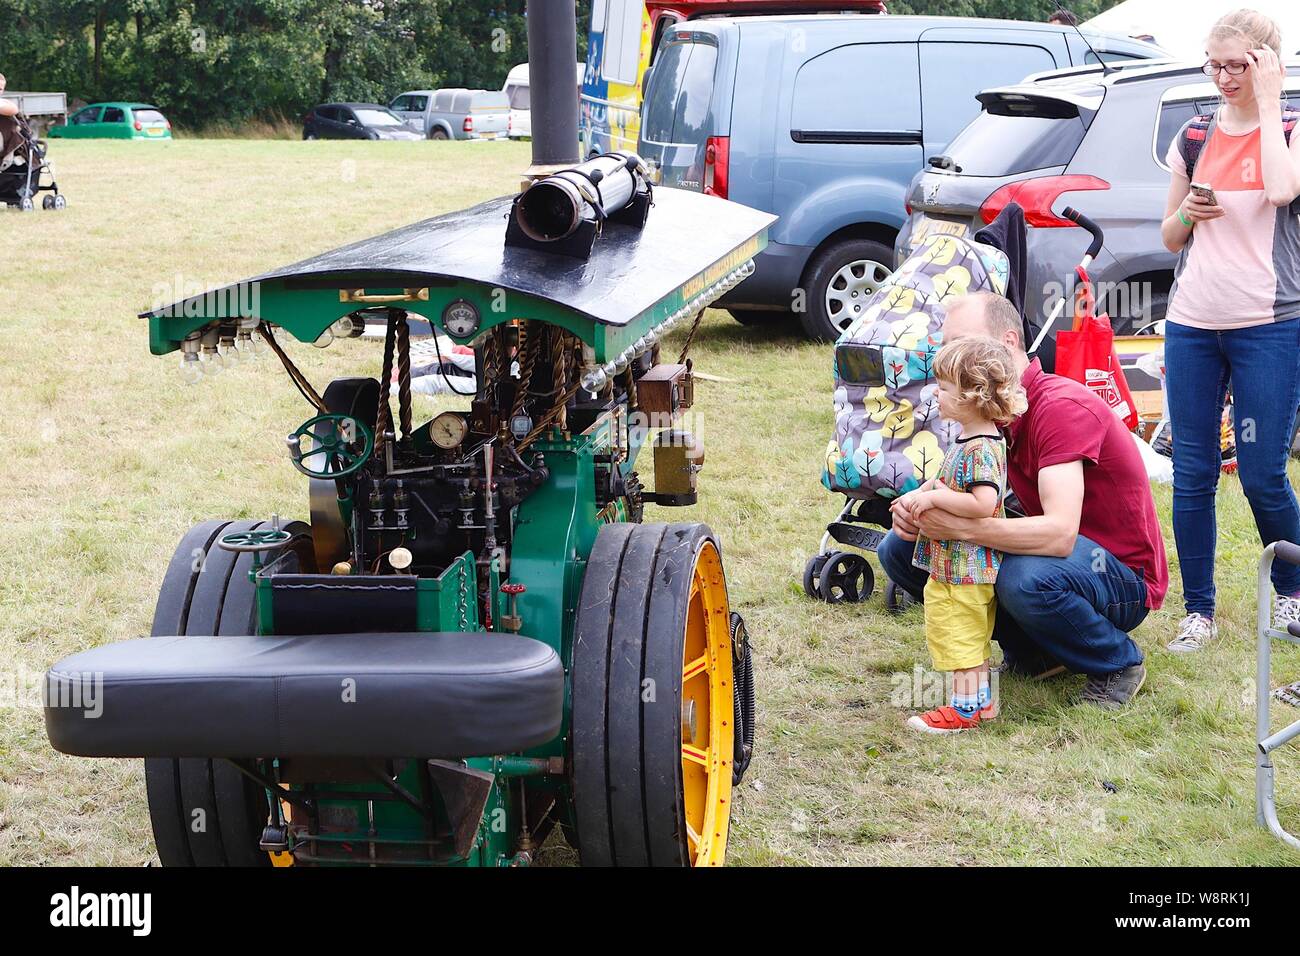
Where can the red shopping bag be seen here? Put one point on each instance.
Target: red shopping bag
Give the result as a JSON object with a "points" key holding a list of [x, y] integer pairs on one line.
{"points": [[1087, 354]]}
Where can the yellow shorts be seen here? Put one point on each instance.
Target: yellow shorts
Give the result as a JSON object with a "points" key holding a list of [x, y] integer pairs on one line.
{"points": [[959, 624]]}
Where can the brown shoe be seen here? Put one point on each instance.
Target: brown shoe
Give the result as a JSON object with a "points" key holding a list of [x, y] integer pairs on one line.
{"points": [[1114, 691]]}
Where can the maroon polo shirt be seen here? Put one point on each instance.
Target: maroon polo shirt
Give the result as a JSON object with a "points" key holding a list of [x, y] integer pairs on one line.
{"points": [[1067, 422]]}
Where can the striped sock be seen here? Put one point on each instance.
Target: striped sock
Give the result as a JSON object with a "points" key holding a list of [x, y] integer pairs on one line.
{"points": [[966, 704]]}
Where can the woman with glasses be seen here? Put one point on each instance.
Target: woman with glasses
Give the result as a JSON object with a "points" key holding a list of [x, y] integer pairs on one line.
{"points": [[1232, 318]]}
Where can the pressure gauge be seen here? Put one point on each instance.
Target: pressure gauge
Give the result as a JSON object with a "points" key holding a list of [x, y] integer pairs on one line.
{"points": [[448, 430], [460, 319]]}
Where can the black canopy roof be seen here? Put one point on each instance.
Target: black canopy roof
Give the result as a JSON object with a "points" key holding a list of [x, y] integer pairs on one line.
{"points": [[629, 270]]}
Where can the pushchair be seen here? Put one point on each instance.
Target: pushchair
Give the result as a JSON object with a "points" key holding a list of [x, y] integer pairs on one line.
{"points": [[889, 437], [24, 169]]}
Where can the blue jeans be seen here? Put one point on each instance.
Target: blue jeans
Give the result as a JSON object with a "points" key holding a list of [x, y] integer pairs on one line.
{"points": [[1076, 611], [1265, 392]]}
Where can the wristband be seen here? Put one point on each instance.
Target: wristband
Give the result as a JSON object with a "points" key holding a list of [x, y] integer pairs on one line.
{"points": [[1183, 219]]}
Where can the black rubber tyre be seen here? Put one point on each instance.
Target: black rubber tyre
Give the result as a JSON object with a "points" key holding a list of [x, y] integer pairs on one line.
{"points": [[811, 575], [438, 133], [846, 578], [47, 203], [205, 812], [631, 631], [817, 319], [1143, 323]]}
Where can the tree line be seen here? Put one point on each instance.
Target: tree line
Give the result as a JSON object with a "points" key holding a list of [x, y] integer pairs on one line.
{"points": [[231, 60]]}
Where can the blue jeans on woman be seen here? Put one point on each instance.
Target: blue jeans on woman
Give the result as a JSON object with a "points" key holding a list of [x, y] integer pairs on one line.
{"points": [[1263, 364], [1075, 611]]}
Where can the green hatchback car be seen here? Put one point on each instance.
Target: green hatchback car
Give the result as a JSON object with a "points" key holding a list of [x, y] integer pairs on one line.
{"points": [[115, 121]]}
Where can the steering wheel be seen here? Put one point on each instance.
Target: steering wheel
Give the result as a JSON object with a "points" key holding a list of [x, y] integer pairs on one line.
{"points": [[331, 446], [267, 539]]}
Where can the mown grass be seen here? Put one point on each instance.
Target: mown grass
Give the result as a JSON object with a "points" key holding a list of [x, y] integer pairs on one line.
{"points": [[106, 460]]}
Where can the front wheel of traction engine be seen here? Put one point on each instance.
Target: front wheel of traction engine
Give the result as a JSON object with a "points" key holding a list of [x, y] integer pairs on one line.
{"points": [[653, 699], [204, 812]]}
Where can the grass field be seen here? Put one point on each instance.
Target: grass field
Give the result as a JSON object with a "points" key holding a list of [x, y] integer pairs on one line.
{"points": [[106, 459]]}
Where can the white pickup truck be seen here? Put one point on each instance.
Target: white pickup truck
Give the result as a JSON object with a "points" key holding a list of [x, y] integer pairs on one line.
{"points": [[43, 110]]}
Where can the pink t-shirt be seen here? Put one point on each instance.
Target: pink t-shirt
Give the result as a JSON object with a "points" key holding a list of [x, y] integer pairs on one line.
{"points": [[1242, 269]]}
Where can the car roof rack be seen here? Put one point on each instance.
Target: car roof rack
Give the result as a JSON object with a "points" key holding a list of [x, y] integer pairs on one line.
{"points": [[1107, 70]]}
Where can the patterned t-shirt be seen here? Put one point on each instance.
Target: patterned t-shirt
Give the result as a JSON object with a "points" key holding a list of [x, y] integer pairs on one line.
{"points": [[977, 460]]}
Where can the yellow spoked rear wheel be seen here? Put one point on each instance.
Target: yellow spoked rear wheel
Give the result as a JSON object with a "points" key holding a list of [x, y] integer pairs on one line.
{"points": [[708, 733], [653, 700]]}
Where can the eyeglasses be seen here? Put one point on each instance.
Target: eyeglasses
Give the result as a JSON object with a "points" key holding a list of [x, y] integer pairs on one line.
{"points": [[1233, 69]]}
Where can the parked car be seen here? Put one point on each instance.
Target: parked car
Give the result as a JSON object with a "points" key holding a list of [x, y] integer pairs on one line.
{"points": [[1073, 138], [517, 90], [827, 132], [456, 113], [115, 121], [356, 121]]}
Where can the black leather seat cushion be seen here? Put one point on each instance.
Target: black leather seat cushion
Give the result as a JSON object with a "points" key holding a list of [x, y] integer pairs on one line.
{"points": [[345, 695]]}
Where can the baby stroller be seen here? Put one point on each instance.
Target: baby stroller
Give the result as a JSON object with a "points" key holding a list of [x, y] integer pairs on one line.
{"points": [[24, 170], [889, 437]]}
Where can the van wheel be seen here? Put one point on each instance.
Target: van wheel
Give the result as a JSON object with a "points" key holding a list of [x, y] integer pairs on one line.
{"points": [[840, 280]]}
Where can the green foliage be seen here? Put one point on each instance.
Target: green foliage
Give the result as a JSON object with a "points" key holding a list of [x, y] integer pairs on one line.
{"points": [[206, 61]]}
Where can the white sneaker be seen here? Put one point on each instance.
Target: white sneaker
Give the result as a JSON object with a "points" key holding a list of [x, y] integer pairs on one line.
{"points": [[1194, 632], [1286, 610]]}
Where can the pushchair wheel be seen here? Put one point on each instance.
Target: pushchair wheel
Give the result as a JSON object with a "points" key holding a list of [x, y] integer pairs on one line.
{"points": [[811, 572], [897, 600], [25, 204], [47, 202], [59, 203], [845, 576]]}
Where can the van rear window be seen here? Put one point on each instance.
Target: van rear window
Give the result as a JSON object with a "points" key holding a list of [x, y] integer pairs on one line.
{"points": [[680, 91], [997, 144]]}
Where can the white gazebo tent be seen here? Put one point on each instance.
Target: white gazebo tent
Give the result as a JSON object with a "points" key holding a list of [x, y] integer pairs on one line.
{"points": [[1181, 26]]}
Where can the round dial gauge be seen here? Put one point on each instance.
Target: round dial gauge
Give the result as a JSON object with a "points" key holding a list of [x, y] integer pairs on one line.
{"points": [[448, 430], [460, 319]]}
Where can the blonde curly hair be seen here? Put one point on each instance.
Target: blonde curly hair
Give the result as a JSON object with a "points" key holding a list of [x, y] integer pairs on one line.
{"points": [[984, 374], [1257, 29]]}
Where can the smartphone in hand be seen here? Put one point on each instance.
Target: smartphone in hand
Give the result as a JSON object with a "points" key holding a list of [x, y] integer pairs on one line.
{"points": [[1206, 193]]}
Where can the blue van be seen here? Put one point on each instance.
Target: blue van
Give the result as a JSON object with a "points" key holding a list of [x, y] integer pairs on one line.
{"points": [[824, 120]]}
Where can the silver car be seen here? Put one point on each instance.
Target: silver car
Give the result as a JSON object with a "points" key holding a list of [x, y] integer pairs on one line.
{"points": [[1083, 138], [455, 113]]}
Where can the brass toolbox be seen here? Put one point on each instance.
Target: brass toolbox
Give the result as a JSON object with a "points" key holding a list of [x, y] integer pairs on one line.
{"points": [[666, 390]]}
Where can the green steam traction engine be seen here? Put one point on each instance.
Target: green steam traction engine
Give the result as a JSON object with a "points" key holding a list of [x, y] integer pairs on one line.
{"points": [[475, 637]]}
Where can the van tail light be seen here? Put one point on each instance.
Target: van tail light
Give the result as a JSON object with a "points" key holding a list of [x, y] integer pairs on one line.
{"points": [[138, 126], [468, 125], [1036, 197], [717, 152], [907, 206], [167, 123]]}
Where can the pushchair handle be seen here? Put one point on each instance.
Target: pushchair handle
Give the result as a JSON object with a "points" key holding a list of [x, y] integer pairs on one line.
{"points": [[1080, 219], [1287, 551]]}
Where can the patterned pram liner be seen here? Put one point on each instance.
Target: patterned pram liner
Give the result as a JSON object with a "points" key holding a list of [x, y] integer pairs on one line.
{"points": [[889, 437]]}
